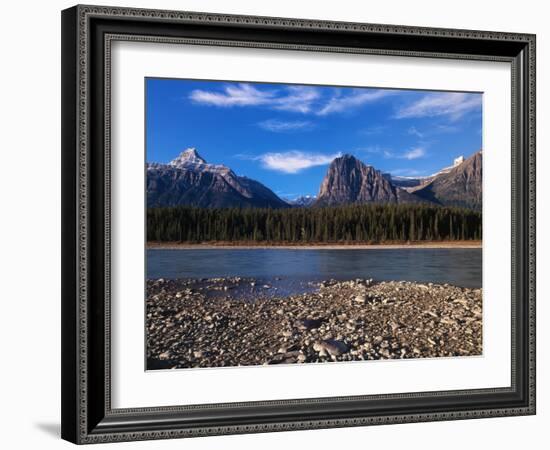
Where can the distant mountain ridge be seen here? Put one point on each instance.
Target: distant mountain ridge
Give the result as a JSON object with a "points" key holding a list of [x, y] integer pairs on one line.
{"points": [[189, 180], [302, 201]]}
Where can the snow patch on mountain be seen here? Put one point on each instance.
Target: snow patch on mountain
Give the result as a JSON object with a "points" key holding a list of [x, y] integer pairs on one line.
{"points": [[302, 200]]}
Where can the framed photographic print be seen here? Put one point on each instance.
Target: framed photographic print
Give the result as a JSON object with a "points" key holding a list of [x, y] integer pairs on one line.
{"points": [[281, 224]]}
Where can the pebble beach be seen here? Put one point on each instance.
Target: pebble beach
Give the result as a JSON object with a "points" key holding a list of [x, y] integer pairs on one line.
{"points": [[224, 322]]}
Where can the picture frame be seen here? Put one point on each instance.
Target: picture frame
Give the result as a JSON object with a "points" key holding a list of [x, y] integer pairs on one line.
{"points": [[87, 412]]}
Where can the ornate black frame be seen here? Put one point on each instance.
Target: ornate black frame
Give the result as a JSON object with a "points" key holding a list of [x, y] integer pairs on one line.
{"points": [[87, 31]]}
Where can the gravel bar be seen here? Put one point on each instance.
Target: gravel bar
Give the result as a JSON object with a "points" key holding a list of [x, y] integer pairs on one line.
{"points": [[204, 323]]}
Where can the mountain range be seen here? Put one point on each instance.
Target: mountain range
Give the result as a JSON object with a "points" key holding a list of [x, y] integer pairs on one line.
{"points": [[190, 180], [302, 200]]}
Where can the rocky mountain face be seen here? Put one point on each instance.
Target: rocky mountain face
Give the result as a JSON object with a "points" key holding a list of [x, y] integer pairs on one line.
{"points": [[190, 180], [460, 186], [349, 180]]}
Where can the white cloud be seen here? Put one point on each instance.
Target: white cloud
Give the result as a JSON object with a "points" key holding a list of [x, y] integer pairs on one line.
{"points": [[281, 126], [413, 153], [450, 104], [297, 99], [300, 99], [289, 98], [294, 161], [239, 95], [358, 98]]}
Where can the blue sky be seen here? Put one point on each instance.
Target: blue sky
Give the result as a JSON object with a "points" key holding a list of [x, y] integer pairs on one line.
{"points": [[286, 135]]}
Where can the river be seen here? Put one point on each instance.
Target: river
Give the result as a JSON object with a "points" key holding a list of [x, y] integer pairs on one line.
{"points": [[459, 267]]}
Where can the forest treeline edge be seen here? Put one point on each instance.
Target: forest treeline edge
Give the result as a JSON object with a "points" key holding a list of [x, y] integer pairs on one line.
{"points": [[350, 223]]}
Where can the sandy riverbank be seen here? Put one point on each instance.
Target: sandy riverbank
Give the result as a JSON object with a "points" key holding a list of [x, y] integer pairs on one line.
{"points": [[355, 320], [389, 246]]}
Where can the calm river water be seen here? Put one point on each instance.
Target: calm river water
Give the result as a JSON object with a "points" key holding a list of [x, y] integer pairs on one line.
{"points": [[460, 267]]}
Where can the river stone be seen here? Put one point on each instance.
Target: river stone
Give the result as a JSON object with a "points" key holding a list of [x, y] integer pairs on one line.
{"points": [[308, 324], [361, 298], [394, 326], [332, 346]]}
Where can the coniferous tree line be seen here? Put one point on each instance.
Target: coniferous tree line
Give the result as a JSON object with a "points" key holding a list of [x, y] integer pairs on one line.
{"points": [[351, 223]]}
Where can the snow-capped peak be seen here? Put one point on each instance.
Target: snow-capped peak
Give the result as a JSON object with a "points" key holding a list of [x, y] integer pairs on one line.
{"points": [[189, 156], [189, 159], [456, 162]]}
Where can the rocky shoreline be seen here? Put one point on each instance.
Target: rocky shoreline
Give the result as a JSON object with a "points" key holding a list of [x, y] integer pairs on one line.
{"points": [[210, 323]]}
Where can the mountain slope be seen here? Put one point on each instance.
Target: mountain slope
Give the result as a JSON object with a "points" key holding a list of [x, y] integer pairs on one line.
{"points": [[349, 180], [412, 184], [460, 186], [189, 180]]}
